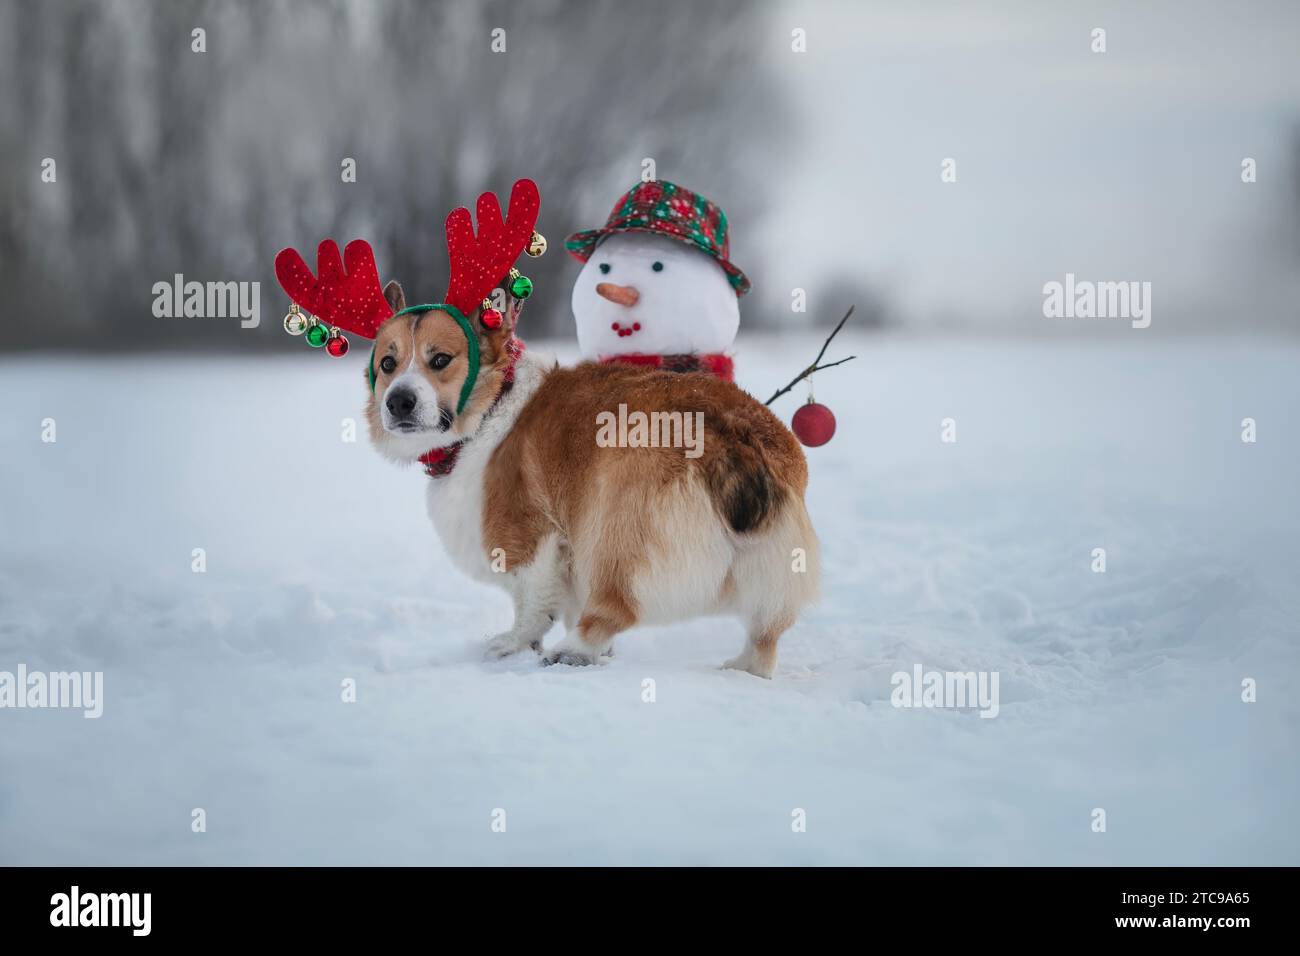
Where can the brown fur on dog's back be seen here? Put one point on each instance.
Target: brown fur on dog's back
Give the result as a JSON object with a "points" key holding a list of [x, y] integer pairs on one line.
{"points": [[544, 471]]}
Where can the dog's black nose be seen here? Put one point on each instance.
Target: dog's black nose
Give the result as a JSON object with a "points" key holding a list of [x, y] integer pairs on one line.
{"points": [[400, 402]]}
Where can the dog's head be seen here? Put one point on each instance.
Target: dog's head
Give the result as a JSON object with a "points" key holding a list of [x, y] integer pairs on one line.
{"points": [[420, 366], [435, 370]]}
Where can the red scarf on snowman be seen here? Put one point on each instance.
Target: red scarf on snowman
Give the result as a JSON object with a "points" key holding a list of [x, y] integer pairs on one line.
{"points": [[715, 363]]}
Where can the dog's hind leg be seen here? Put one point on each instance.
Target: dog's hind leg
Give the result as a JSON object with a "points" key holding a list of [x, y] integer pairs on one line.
{"points": [[759, 654], [570, 615], [607, 550], [538, 589], [601, 619], [777, 576]]}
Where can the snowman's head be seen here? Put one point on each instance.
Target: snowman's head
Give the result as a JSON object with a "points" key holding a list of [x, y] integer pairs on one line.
{"points": [[649, 294]]}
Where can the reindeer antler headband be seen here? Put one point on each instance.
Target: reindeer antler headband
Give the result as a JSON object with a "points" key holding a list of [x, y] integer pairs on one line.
{"points": [[345, 293]]}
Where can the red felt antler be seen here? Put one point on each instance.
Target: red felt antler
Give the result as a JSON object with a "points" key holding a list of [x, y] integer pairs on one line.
{"points": [[345, 290], [479, 264]]}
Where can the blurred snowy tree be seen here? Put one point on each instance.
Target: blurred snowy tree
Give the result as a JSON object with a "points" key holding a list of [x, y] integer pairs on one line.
{"points": [[206, 163]]}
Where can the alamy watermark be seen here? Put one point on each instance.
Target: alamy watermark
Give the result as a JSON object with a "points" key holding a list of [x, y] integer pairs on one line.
{"points": [[208, 300], [651, 430], [62, 689], [75, 908], [951, 689], [1084, 299]]}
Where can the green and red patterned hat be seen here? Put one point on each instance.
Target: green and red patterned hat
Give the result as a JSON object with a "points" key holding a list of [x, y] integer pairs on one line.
{"points": [[671, 211]]}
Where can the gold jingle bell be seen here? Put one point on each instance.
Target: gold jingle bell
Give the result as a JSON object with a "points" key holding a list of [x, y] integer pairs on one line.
{"points": [[536, 245]]}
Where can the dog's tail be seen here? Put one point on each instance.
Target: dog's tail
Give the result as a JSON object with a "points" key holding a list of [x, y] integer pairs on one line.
{"points": [[753, 469]]}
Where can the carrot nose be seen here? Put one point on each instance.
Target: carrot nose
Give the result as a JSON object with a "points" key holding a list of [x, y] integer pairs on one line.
{"points": [[622, 294]]}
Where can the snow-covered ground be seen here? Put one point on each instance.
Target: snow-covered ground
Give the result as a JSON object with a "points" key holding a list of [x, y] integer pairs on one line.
{"points": [[1119, 691]]}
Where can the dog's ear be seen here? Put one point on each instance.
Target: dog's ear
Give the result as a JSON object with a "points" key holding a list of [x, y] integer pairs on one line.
{"points": [[514, 309], [495, 323], [394, 296], [496, 318], [507, 307]]}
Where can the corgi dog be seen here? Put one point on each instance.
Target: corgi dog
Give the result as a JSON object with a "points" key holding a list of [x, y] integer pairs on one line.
{"points": [[604, 537]]}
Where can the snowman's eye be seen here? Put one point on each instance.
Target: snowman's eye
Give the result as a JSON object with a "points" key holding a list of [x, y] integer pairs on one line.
{"points": [[604, 268], [658, 267]]}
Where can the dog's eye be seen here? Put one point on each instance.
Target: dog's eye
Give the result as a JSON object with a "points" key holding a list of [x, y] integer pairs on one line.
{"points": [[658, 267], [604, 268], [441, 360], [387, 364]]}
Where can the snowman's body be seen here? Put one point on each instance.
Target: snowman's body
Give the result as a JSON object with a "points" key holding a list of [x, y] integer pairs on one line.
{"points": [[643, 294]]}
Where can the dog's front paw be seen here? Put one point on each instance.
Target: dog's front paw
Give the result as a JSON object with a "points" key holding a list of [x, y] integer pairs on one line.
{"points": [[503, 645]]}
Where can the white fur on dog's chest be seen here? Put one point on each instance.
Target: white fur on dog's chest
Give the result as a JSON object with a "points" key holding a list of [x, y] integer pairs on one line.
{"points": [[456, 507], [456, 500]]}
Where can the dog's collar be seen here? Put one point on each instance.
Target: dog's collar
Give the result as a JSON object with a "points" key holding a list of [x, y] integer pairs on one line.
{"points": [[438, 462], [714, 362]]}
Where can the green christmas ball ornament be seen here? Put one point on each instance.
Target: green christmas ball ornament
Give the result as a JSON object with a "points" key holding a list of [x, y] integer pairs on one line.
{"points": [[521, 287], [317, 336]]}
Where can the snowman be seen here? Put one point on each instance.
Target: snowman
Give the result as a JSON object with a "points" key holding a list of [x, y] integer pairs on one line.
{"points": [[656, 287]]}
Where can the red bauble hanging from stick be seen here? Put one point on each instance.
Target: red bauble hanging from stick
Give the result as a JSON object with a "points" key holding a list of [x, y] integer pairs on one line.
{"points": [[814, 424]]}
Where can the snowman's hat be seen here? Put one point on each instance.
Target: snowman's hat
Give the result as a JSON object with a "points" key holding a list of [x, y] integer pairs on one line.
{"points": [[671, 211]]}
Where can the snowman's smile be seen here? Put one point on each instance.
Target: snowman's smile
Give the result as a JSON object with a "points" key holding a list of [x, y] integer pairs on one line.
{"points": [[625, 330]]}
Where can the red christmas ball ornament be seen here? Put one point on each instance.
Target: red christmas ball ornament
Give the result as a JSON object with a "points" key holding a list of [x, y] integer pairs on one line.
{"points": [[813, 424], [337, 346], [491, 319]]}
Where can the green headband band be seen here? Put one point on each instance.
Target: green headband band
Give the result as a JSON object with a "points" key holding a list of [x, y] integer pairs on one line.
{"points": [[470, 338]]}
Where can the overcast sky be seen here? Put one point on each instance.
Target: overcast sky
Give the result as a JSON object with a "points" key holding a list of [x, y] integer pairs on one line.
{"points": [[1117, 165]]}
